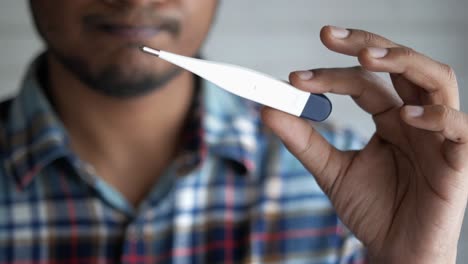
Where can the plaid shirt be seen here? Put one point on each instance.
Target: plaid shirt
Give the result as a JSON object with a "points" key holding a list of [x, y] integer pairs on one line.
{"points": [[234, 195]]}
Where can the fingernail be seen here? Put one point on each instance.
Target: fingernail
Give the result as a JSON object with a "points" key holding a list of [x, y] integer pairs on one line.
{"points": [[377, 53], [414, 111], [305, 75], [338, 32]]}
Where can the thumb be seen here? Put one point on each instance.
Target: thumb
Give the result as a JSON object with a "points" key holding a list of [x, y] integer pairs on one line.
{"points": [[322, 159]]}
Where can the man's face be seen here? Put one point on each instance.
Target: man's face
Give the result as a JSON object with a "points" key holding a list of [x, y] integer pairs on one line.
{"points": [[99, 40]]}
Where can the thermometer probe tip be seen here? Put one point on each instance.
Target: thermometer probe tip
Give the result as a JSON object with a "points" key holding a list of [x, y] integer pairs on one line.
{"points": [[150, 50]]}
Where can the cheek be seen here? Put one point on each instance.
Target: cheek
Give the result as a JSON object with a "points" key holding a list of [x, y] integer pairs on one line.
{"points": [[199, 17], [58, 23]]}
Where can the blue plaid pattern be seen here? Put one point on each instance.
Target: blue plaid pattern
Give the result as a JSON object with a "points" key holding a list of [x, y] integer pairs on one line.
{"points": [[234, 195]]}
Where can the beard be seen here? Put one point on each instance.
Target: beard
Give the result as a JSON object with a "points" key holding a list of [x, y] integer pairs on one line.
{"points": [[112, 80]]}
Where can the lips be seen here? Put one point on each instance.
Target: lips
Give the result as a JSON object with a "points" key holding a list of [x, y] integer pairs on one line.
{"points": [[136, 25], [130, 31]]}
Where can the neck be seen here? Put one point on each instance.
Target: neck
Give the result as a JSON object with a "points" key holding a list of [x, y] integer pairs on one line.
{"points": [[129, 142]]}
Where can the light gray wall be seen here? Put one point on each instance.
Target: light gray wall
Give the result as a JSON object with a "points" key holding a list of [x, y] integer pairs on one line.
{"points": [[278, 36]]}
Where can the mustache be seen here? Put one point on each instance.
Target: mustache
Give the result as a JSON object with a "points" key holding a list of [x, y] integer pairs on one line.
{"points": [[137, 18]]}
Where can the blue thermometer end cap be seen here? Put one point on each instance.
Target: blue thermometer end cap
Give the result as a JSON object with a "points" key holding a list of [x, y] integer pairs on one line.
{"points": [[318, 108]]}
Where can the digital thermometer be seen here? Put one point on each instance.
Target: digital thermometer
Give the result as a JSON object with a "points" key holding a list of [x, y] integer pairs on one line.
{"points": [[253, 85]]}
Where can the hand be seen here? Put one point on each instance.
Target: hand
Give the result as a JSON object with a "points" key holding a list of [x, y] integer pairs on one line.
{"points": [[404, 194]]}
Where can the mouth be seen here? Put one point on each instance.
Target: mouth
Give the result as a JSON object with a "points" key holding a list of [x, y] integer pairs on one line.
{"points": [[133, 27], [130, 32]]}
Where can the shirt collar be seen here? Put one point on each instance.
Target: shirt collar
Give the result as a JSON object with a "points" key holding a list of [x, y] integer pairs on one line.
{"points": [[231, 127], [34, 137], [220, 123], [223, 125]]}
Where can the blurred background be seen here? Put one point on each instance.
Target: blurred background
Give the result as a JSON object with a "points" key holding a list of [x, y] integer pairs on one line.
{"points": [[278, 36]]}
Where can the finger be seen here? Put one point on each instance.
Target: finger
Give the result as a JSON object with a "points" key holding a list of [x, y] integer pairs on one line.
{"points": [[352, 41], [456, 154], [322, 159], [408, 91], [370, 92], [452, 124], [438, 80]]}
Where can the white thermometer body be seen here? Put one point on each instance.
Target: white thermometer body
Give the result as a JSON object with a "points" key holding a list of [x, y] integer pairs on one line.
{"points": [[253, 85]]}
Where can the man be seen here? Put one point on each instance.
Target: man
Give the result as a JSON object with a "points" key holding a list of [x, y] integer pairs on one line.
{"points": [[110, 155]]}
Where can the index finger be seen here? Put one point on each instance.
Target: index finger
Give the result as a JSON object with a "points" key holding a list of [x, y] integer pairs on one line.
{"points": [[437, 79], [352, 41]]}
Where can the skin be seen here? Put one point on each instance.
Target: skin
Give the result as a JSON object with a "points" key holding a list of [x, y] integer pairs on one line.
{"points": [[403, 195], [95, 39], [129, 140]]}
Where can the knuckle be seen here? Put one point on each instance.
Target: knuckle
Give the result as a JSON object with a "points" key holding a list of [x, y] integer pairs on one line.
{"points": [[364, 74], [448, 71], [442, 117], [309, 144], [408, 52], [369, 38]]}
